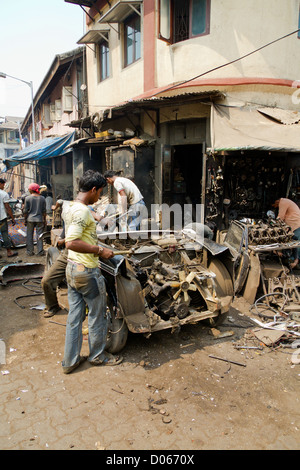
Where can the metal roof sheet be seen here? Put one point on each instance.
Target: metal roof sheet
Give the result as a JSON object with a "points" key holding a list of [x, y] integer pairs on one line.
{"points": [[285, 116], [119, 11]]}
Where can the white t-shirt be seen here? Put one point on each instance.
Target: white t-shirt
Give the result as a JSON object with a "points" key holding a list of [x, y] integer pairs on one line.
{"points": [[131, 190], [4, 197]]}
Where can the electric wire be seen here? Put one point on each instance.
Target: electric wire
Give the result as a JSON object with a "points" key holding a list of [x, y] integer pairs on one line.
{"points": [[176, 85], [228, 63]]}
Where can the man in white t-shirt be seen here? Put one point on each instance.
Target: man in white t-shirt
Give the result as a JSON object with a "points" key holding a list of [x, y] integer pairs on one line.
{"points": [[130, 199], [5, 210]]}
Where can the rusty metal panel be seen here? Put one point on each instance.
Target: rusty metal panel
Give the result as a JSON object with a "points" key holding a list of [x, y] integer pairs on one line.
{"points": [[138, 165], [18, 271]]}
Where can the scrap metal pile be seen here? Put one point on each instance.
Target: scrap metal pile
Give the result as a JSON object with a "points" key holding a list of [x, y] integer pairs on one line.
{"points": [[174, 282], [279, 313]]}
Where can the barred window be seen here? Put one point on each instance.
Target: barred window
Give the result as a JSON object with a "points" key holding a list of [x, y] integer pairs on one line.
{"points": [[183, 20]]}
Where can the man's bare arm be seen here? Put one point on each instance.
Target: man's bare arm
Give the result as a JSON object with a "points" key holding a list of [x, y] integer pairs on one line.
{"points": [[82, 247]]}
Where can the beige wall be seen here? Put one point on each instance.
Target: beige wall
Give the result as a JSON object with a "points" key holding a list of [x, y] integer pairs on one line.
{"points": [[237, 27], [123, 82]]}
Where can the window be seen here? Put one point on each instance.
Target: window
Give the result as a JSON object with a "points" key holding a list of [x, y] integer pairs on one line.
{"points": [[183, 20], [13, 136], [9, 152], [58, 112], [55, 111], [103, 49], [46, 116], [132, 31], [67, 99]]}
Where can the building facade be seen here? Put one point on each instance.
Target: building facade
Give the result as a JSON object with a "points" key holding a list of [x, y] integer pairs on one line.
{"points": [[60, 99], [182, 75]]}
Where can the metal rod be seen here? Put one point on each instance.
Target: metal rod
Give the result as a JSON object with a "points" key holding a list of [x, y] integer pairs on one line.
{"points": [[227, 360]]}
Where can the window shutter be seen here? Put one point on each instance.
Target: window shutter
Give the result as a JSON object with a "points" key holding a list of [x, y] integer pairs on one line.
{"points": [[46, 120], [57, 110], [67, 99], [165, 20], [52, 113]]}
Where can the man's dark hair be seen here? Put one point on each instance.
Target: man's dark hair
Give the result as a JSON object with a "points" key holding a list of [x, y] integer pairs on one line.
{"points": [[91, 179], [111, 173], [2, 181]]}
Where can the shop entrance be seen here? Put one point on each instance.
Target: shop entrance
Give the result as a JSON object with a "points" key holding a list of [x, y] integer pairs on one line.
{"points": [[253, 183], [183, 175]]}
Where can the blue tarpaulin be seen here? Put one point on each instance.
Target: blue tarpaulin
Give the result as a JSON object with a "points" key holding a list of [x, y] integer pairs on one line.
{"points": [[46, 148]]}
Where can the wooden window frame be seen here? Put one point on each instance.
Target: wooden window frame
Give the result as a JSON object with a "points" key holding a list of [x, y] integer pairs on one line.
{"points": [[170, 40]]}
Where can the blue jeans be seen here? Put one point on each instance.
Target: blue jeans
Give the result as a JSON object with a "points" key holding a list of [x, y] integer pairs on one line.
{"points": [[136, 214], [297, 237], [86, 287]]}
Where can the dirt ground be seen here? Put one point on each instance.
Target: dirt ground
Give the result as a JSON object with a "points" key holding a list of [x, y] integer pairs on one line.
{"points": [[168, 394]]}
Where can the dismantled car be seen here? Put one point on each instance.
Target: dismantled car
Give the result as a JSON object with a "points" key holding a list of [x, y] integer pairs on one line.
{"points": [[161, 282], [169, 279]]}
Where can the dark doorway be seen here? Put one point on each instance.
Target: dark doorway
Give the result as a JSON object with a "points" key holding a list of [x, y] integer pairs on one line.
{"points": [[187, 174]]}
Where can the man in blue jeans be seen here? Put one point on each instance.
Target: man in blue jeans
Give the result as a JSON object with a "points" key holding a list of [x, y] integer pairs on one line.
{"points": [[5, 211], [86, 286]]}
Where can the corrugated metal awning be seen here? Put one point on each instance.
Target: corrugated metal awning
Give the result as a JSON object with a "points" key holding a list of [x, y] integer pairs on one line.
{"points": [[84, 3], [93, 36], [153, 103]]}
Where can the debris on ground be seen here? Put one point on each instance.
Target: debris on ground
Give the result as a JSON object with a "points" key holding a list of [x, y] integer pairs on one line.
{"points": [[279, 314]]}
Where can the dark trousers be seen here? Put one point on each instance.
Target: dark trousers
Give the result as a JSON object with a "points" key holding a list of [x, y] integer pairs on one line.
{"points": [[39, 227], [4, 233], [297, 237], [52, 278]]}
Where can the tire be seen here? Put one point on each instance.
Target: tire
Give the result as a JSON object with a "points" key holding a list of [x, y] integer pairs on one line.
{"points": [[224, 288], [52, 255], [224, 285], [117, 331], [241, 272]]}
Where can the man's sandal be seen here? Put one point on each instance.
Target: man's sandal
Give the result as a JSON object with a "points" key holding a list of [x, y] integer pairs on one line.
{"points": [[67, 370], [51, 312], [110, 360]]}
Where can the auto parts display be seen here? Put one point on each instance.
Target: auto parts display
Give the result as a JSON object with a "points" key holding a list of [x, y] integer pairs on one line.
{"points": [[273, 231]]}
